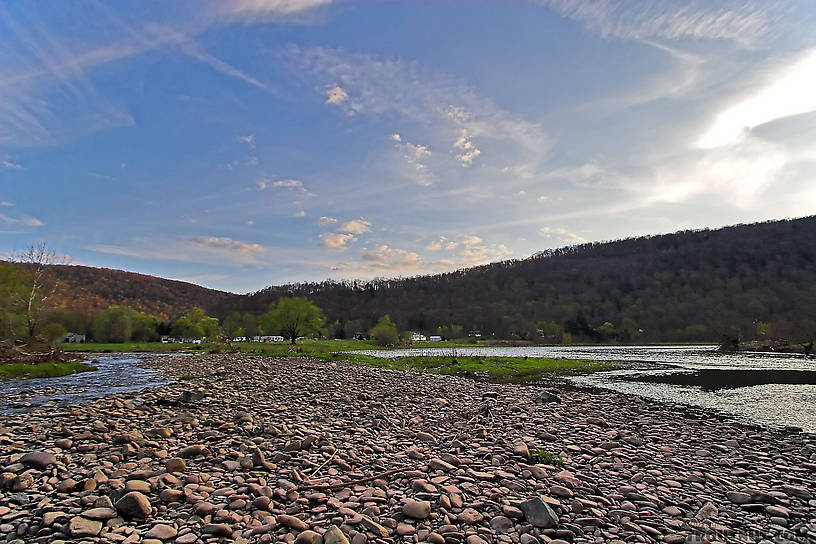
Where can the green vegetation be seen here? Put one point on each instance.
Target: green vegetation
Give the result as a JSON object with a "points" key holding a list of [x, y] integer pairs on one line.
{"points": [[385, 332], [494, 369], [124, 324], [135, 347], [42, 370], [292, 317], [195, 324], [541, 456]]}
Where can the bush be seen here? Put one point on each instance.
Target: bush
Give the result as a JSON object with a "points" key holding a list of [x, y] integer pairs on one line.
{"points": [[385, 332]]}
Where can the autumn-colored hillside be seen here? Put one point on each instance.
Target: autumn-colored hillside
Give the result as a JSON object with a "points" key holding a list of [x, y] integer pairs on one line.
{"points": [[83, 287]]}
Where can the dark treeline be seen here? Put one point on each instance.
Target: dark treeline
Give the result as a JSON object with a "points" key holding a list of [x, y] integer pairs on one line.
{"points": [[755, 281], [752, 280]]}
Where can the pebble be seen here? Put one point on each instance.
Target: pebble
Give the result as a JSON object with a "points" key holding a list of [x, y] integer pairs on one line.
{"points": [[262, 450]]}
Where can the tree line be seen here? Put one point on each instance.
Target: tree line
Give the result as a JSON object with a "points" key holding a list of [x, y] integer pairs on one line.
{"points": [[749, 281]]}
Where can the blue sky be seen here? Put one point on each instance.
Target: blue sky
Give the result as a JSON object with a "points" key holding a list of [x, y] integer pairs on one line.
{"points": [[242, 143]]}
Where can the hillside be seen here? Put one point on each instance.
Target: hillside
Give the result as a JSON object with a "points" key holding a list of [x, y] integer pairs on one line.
{"points": [[687, 286], [83, 287]]}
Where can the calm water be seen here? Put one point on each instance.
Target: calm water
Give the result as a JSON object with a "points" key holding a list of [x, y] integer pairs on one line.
{"points": [[763, 388], [116, 374]]}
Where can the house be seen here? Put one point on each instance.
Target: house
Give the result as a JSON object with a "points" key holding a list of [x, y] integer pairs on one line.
{"points": [[267, 338], [240, 339], [435, 338], [475, 334], [360, 335], [418, 337], [73, 338], [165, 339]]}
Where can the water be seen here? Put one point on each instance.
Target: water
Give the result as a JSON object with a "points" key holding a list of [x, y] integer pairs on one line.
{"points": [[116, 374], [768, 389]]}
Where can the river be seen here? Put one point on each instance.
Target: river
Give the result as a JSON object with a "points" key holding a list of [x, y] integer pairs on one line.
{"points": [[114, 374], [768, 389]]}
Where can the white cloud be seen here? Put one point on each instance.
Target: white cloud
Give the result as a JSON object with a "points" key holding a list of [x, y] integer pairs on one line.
{"points": [[294, 184], [415, 157], [356, 226], [249, 139], [789, 91], [739, 20], [6, 204], [268, 10], [562, 234], [471, 240], [542, 198], [336, 241], [439, 103], [300, 213], [23, 221], [336, 95], [11, 165], [235, 249], [468, 150], [436, 245], [326, 221]]}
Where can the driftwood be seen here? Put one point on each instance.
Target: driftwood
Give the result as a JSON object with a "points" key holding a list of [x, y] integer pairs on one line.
{"points": [[355, 482], [31, 352]]}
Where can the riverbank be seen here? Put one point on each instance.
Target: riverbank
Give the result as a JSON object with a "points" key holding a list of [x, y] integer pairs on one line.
{"points": [[12, 371], [252, 449]]}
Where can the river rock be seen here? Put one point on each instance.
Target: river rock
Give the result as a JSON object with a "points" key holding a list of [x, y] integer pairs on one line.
{"points": [[539, 513], [134, 505]]}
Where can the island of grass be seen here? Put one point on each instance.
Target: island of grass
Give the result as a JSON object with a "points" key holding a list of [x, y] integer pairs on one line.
{"points": [[11, 371], [494, 369]]}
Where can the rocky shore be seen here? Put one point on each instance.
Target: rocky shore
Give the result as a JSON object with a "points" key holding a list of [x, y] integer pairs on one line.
{"points": [[249, 449]]}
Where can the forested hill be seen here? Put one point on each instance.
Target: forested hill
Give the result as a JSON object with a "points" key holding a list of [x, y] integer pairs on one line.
{"points": [[687, 286], [87, 288]]}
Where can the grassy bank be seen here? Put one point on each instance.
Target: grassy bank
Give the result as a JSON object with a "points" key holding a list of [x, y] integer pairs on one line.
{"points": [[496, 369], [135, 347], [42, 370]]}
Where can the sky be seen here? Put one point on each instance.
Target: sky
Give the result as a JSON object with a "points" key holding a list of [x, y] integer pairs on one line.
{"points": [[238, 144]]}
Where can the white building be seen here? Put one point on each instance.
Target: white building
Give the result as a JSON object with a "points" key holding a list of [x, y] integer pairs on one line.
{"points": [[73, 338], [435, 338], [418, 337]]}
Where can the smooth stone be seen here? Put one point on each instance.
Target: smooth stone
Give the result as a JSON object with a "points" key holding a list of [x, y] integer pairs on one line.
{"points": [[80, 526], [134, 505]]}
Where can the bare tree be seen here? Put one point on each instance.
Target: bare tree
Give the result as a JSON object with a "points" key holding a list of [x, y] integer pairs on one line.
{"points": [[37, 260]]}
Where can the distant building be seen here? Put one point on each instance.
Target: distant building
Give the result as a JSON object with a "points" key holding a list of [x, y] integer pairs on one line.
{"points": [[267, 338], [73, 338], [240, 339], [475, 334], [360, 335], [418, 337], [435, 338]]}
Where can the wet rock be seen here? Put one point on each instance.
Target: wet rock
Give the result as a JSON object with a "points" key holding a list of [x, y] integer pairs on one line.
{"points": [[538, 513], [80, 527], [134, 505], [39, 459], [417, 509]]}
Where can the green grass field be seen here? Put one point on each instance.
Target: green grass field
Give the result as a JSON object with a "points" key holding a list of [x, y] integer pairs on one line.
{"points": [[138, 347], [42, 370], [497, 369]]}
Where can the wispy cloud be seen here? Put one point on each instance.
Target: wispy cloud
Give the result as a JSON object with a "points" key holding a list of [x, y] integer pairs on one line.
{"points": [[453, 113], [293, 184], [336, 241], [562, 234], [738, 20], [240, 251], [415, 157], [11, 165], [336, 95], [790, 90], [356, 226], [21, 221]]}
